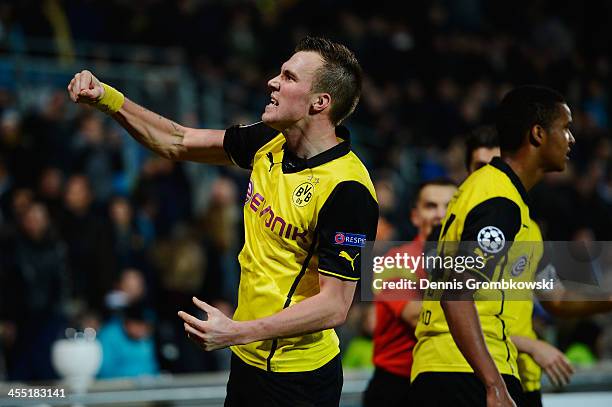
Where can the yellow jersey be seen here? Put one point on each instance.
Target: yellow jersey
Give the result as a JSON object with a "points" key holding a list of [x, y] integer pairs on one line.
{"points": [[302, 217]]}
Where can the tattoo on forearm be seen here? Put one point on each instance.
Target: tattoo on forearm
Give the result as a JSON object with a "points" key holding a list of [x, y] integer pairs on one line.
{"points": [[153, 131], [177, 131]]}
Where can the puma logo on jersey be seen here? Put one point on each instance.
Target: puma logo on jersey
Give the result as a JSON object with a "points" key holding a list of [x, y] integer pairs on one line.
{"points": [[271, 159], [348, 257]]}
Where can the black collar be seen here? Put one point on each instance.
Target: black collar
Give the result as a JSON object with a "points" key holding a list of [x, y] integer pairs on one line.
{"points": [[292, 163], [501, 165]]}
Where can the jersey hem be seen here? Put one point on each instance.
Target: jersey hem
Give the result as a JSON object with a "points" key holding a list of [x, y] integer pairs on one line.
{"points": [[433, 368], [283, 369], [340, 276]]}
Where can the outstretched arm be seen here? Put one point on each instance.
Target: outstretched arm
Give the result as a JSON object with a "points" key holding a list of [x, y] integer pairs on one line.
{"points": [[161, 135]]}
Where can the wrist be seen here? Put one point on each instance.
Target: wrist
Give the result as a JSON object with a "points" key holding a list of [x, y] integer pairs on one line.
{"points": [[494, 382], [111, 100], [530, 346], [243, 332]]}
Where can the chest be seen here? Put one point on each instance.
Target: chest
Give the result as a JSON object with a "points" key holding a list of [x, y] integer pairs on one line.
{"points": [[284, 207]]}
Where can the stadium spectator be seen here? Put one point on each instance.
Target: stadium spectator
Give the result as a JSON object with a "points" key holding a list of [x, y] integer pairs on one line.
{"points": [[49, 191], [95, 156], [89, 244], [6, 185], [130, 289], [128, 348], [218, 230], [128, 243], [38, 295]]}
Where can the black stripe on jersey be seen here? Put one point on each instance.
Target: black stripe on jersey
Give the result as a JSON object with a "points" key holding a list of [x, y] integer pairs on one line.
{"points": [[447, 225], [501, 311], [290, 294], [503, 328]]}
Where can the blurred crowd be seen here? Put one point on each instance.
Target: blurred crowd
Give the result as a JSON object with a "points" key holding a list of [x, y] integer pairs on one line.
{"points": [[95, 231]]}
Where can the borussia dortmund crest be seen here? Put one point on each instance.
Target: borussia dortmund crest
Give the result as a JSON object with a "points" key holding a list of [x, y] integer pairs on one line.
{"points": [[303, 194]]}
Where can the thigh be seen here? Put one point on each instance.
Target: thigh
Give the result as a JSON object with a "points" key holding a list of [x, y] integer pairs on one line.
{"points": [[249, 386], [238, 384], [318, 388], [328, 383]]}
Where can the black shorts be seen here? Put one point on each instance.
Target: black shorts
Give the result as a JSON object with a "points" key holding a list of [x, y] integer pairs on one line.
{"points": [[387, 389], [251, 386], [445, 389], [532, 398]]}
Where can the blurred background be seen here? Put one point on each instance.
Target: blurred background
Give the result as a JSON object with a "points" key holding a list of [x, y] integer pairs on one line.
{"points": [[97, 232]]}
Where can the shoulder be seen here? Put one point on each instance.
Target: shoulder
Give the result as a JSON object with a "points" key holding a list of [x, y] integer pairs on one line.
{"points": [[485, 189], [349, 169], [349, 194], [241, 143]]}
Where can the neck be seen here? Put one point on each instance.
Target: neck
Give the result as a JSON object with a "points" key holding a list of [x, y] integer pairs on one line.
{"points": [[527, 169], [306, 140]]}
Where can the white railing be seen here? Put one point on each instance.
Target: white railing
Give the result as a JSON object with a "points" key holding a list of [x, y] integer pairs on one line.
{"points": [[593, 387]]}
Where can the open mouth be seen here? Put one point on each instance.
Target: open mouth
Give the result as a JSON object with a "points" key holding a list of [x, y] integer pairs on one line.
{"points": [[273, 101]]}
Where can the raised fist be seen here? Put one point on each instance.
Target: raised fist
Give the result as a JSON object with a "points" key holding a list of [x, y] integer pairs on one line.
{"points": [[85, 88]]}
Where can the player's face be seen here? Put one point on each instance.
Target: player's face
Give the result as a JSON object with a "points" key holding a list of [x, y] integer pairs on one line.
{"points": [[290, 91], [559, 141], [482, 156], [431, 207]]}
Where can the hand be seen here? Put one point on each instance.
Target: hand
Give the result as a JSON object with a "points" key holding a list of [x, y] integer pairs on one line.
{"points": [[217, 332], [498, 396], [85, 88], [553, 361]]}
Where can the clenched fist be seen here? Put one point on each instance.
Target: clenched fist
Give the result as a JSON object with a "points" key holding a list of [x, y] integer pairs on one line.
{"points": [[85, 88]]}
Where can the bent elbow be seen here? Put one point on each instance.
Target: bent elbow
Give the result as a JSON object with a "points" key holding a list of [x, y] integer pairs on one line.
{"points": [[341, 319], [338, 318]]}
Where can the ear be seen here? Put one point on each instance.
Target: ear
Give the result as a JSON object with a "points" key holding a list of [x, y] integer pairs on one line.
{"points": [[537, 135], [320, 102], [414, 219]]}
